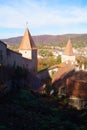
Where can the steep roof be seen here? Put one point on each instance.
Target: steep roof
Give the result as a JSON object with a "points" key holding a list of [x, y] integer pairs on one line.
{"points": [[60, 77], [62, 72], [68, 50], [27, 42]]}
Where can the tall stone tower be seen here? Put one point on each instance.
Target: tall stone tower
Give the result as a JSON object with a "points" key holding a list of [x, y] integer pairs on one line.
{"points": [[28, 49], [68, 55]]}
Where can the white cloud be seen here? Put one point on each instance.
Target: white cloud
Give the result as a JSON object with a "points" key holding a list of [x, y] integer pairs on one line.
{"points": [[40, 14]]}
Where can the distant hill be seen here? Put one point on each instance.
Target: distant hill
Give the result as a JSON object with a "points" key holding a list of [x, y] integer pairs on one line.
{"points": [[50, 39]]}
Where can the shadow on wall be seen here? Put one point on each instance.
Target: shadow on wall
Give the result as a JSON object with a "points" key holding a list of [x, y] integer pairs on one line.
{"points": [[43, 74], [45, 77], [16, 78]]}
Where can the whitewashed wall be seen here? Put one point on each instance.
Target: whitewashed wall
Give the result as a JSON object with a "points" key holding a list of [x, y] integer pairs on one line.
{"points": [[65, 58], [26, 53]]}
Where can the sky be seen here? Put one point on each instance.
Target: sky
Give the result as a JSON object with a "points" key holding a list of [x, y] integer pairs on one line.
{"points": [[52, 17]]}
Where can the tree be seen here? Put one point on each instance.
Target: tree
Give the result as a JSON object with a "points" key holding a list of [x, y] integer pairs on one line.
{"points": [[58, 59]]}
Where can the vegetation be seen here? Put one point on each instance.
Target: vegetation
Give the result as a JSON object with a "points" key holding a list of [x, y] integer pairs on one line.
{"points": [[48, 62], [24, 109], [79, 40], [82, 60], [45, 53], [29, 111]]}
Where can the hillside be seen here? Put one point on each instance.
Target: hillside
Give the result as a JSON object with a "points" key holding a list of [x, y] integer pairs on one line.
{"points": [[50, 39], [24, 110]]}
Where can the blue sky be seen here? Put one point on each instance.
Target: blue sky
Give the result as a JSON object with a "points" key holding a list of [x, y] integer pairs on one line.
{"points": [[43, 16]]}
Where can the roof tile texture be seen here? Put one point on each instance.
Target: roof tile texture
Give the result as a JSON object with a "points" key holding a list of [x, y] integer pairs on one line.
{"points": [[68, 50], [27, 42]]}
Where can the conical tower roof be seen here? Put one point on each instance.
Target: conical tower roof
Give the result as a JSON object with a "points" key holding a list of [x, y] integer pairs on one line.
{"points": [[27, 42], [68, 50]]}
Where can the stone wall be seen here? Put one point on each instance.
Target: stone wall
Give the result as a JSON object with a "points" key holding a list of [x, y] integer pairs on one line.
{"points": [[12, 58]]}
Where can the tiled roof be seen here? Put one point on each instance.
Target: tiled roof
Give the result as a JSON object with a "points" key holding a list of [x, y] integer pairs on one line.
{"points": [[77, 85], [62, 72], [68, 50], [27, 42]]}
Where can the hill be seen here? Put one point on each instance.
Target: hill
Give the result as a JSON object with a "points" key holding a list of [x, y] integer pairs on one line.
{"points": [[50, 39]]}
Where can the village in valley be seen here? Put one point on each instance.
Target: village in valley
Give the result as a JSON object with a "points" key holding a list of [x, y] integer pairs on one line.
{"points": [[64, 79]]}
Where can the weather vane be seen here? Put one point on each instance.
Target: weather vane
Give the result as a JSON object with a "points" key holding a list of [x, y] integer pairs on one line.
{"points": [[26, 24]]}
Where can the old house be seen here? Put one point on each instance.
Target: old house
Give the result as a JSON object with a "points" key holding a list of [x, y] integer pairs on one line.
{"points": [[69, 82], [77, 89], [67, 69], [25, 58], [60, 77]]}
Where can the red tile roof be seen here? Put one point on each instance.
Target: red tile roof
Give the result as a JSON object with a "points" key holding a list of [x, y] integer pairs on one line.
{"points": [[62, 72], [27, 42], [77, 88], [68, 50]]}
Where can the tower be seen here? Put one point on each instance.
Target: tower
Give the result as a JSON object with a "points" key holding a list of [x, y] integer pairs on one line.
{"points": [[28, 49], [68, 54]]}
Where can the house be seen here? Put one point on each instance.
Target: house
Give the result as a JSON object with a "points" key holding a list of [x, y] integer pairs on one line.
{"points": [[72, 84], [59, 79], [77, 89], [67, 68], [69, 82], [25, 58]]}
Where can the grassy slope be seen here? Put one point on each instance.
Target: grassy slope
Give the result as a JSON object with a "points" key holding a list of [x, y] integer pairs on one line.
{"points": [[24, 110]]}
